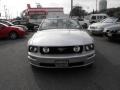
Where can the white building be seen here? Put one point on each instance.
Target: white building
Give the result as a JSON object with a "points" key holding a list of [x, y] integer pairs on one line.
{"points": [[36, 15], [102, 5]]}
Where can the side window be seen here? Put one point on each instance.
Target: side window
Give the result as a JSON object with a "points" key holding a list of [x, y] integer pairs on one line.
{"points": [[98, 17], [23, 22], [93, 17], [16, 22], [101, 17]]}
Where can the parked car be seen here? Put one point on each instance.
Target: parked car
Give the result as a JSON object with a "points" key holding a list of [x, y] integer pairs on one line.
{"points": [[98, 28], [84, 22], [11, 24], [61, 43], [94, 18], [11, 32], [112, 32], [30, 26]]}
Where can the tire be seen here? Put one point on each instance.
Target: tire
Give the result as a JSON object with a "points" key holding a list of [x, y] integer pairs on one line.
{"points": [[13, 35]]}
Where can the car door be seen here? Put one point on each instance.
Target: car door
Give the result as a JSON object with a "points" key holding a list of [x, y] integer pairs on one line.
{"points": [[3, 31]]}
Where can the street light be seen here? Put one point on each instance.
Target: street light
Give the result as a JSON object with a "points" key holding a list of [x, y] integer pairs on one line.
{"points": [[71, 5], [96, 5]]}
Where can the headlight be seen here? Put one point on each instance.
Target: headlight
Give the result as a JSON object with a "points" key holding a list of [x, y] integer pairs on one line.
{"points": [[76, 49], [89, 47], [45, 50], [33, 49]]}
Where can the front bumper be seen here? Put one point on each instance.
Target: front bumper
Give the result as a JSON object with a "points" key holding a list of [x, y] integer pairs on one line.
{"points": [[65, 61], [96, 31], [112, 34]]}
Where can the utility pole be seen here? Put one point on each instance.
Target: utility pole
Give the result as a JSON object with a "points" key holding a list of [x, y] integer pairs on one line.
{"points": [[96, 5], [71, 5], [0, 7], [5, 10]]}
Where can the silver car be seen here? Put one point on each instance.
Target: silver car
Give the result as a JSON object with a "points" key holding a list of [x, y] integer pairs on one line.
{"points": [[98, 28], [112, 32], [60, 43]]}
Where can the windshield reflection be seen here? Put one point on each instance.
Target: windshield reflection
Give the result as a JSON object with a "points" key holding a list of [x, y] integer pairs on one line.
{"points": [[60, 24]]}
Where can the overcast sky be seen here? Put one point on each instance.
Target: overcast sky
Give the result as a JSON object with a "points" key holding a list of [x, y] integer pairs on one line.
{"points": [[16, 6]]}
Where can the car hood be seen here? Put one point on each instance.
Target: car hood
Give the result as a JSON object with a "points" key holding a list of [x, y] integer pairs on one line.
{"points": [[113, 27], [15, 27], [101, 25], [61, 37]]}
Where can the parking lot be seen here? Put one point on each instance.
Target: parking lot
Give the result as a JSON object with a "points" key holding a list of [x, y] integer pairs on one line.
{"points": [[17, 74]]}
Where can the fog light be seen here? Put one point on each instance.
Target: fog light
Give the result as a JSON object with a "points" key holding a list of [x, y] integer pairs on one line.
{"points": [[91, 46], [87, 48], [33, 49], [76, 49], [46, 50]]}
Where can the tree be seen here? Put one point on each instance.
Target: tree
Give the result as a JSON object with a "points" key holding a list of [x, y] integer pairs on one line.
{"points": [[112, 12], [78, 12]]}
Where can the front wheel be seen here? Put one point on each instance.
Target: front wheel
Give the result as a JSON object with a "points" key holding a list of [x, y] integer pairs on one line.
{"points": [[13, 35]]}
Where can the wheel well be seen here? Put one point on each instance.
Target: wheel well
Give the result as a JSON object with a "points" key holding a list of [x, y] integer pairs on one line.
{"points": [[13, 32]]}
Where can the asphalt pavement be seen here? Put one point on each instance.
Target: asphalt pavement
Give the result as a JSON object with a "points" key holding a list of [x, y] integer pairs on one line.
{"points": [[17, 74]]}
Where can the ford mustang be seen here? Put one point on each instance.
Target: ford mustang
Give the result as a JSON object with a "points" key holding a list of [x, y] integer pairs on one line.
{"points": [[61, 43]]}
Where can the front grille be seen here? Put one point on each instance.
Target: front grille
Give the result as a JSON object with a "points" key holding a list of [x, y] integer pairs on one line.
{"points": [[69, 64], [76, 64], [61, 50]]}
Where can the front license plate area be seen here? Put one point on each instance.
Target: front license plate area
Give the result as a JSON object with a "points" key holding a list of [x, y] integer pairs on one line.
{"points": [[61, 63]]}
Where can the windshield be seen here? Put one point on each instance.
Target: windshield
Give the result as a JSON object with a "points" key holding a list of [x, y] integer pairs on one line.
{"points": [[60, 24], [109, 20], [7, 23]]}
